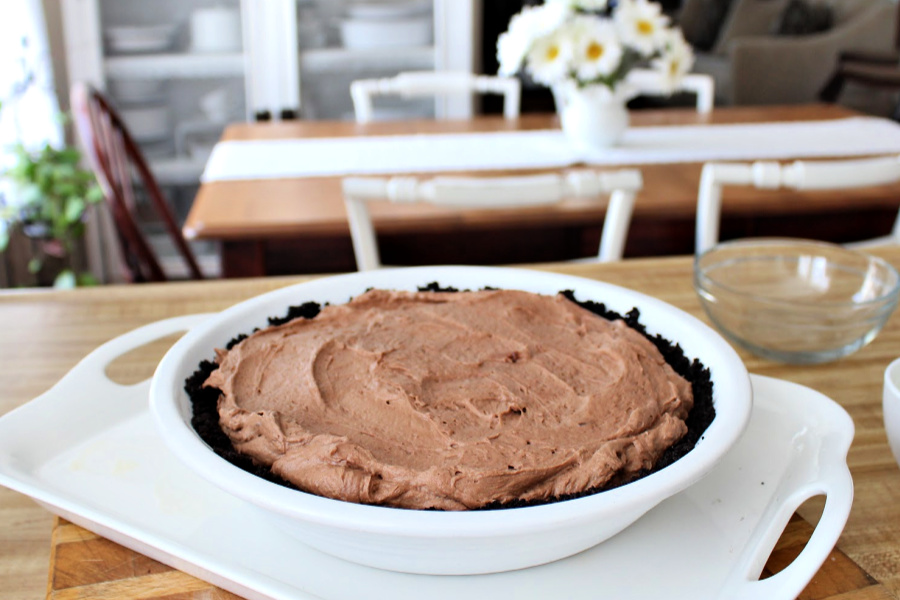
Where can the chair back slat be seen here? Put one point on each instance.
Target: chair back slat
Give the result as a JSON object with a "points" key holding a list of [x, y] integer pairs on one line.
{"points": [[798, 175], [434, 83], [493, 193], [649, 82]]}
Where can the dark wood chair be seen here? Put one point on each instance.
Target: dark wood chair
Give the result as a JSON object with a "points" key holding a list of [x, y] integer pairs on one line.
{"points": [[120, 168]]}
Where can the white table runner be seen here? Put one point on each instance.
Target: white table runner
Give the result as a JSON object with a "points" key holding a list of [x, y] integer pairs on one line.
{"points": [[268, 159]]}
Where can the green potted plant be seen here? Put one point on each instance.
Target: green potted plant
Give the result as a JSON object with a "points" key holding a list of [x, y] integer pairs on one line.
{"points": [[49, 194]]}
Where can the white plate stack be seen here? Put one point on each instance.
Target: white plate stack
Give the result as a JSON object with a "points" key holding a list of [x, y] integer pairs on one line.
{"points": [[386, 24], [216, 29], [137, 39]]}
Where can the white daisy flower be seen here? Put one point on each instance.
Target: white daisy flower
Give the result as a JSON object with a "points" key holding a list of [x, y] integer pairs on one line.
{"points": [[531, 23], [511, 50], [597, 50], [641, 25], [549, 59], [676, 60], [578, 43], [550, 16]]}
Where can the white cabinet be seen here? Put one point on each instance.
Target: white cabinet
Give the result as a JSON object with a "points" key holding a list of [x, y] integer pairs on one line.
{"points": [[285, 59]]}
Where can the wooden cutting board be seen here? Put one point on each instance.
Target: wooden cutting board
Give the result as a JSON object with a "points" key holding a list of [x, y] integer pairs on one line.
{"points": [[85, 565]]}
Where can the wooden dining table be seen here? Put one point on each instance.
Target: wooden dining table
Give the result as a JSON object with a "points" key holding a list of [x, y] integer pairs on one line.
{"points": [[47, 332], [298, 224]]}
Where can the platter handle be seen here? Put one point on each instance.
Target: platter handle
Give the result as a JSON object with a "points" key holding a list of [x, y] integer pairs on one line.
{"points": [[87, 384], [91, 370], [835, 483]]}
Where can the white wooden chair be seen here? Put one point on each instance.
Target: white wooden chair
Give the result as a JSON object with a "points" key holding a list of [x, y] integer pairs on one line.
{"points": [[798, 175], [434, 83], [648, 83], [494, 193]]}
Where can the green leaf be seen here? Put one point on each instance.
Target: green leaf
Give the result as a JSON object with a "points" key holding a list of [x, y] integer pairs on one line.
{"points": [[43, 177], [87, 279], [94, 194], [34, 265], [4, 239], [66, 189], [76, 230], [64, 171], [65, 280], [74, 209], [69, 155], [25, 171]]}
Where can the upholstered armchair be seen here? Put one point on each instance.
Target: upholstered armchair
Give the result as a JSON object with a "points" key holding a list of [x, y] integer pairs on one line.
{"points": [[754, 64]]}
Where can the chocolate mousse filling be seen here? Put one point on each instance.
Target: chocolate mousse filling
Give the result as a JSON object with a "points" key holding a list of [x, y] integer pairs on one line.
{"points": [[444, 400]]}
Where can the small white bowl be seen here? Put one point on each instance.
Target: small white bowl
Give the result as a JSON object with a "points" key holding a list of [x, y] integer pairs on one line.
{"points": [[463, 542], [386, 33], [140, 38], [891, 407], [215, 29]]}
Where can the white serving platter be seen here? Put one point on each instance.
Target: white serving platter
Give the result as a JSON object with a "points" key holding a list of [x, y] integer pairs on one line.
{"points": [[88, 451]]}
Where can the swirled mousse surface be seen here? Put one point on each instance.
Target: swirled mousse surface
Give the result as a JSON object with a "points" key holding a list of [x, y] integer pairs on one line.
{"points": [[450, 400]]}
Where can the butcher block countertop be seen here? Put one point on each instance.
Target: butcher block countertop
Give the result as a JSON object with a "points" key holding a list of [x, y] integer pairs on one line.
{"points": [[47, 332]]}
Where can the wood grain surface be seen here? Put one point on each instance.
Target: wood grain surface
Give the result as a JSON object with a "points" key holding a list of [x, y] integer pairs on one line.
{"points": [[313, 206], [85, 565], [47, 332]]}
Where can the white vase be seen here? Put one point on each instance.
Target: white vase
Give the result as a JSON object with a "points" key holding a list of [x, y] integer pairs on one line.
{"points": [[592, 117]]}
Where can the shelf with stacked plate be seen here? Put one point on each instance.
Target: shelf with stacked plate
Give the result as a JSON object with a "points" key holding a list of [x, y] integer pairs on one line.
{"points": [[277, 59], [339, 42], [323, 60], [179, 70], [172, 65], [159, 64]]}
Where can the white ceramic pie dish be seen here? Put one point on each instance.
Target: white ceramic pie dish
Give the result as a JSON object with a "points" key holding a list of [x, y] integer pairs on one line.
{"points": [[433, 542]]}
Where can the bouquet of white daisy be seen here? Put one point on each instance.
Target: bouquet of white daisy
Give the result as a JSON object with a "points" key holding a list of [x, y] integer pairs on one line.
{"points": [[583, 43]]}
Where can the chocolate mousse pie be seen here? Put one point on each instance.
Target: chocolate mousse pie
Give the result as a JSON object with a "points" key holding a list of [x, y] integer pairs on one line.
{"points": [[453, 400]]}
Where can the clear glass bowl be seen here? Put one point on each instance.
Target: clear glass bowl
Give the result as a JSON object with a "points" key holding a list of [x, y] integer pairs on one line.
{"points": [[795, 301]]}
